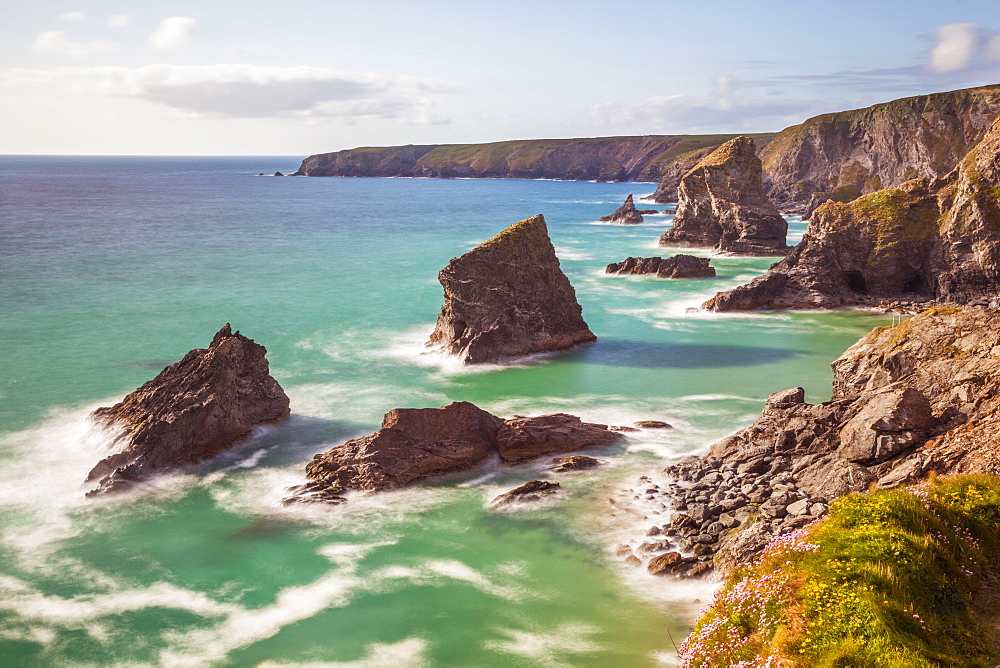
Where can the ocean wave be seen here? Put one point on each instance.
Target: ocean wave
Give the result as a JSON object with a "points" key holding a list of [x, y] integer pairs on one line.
{"points": [[548, 647], [407, 653]]}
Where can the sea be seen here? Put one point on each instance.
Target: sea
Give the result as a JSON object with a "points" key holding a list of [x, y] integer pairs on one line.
{"points": [[113, 267]]}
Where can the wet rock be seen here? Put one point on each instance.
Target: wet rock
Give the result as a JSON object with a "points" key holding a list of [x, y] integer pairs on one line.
{"points": [[663, 564], [529, 492], [520, 439], [508, 298], [678, 266], [625, 215], [633, 561], [192, 411], [574, 463]]}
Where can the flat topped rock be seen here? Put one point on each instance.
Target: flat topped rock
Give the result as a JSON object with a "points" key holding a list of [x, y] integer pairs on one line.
{"points": [[626, 214], [721, 204], [508, 298], [529, 492], [418, 443], [678, 266], [191, 411]]}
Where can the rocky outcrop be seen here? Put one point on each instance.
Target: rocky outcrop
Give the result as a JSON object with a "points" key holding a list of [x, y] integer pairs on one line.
{"points": [[574, 463], [927, 239], [508, 298], [625, 215], [844, 155], [644, 158], [721, 205], [193, 410], [530, 492], [418, 443], [909, 399], [678, 266]]}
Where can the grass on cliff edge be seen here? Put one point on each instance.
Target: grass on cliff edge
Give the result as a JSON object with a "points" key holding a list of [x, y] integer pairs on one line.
{"points": [[890, 578]]}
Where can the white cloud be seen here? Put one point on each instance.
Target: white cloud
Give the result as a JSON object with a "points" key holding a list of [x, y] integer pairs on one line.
{"points": [[956, 47], [76, 17], [59, 42], [251, 91], [120, 21], [688, 113], [173, 33]]}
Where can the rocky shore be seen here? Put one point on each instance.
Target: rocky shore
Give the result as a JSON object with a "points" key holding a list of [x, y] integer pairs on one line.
{"points": [[678, 266]]}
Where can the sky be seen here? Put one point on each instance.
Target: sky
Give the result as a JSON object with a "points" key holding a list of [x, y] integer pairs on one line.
{"points": [[296, 77]]}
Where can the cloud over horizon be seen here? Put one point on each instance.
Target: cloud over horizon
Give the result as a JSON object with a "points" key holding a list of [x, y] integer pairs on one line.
{"points": [[174, 32], [251, 91]]}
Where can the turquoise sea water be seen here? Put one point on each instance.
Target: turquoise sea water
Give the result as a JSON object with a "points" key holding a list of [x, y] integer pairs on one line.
{"points": [[111, 268]]}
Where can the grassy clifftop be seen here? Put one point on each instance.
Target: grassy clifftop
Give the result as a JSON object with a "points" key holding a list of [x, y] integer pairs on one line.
{"points": [[643, 158], [891, 578]]}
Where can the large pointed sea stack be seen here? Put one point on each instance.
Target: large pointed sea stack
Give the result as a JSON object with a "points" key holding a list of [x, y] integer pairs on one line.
{"points": [[193, 410], [721, 204], [507, 298], [626, 214], [927, 239]]}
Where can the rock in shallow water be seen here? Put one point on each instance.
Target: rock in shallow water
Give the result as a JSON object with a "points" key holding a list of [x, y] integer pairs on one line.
{"points": [[417, 443], [191, 411], [678, 266], [508, 298], [529, 492], [626, 214]]}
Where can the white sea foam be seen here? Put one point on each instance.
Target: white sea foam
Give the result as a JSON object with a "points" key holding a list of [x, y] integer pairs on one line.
{"points": [[408, 653], [551, 647], [572, 254]]}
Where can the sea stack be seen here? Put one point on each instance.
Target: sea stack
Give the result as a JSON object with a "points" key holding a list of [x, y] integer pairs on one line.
{"points": [[721, 204], [625, 215], [678, 266], [508, 298], [926, 239], [193, 410]]}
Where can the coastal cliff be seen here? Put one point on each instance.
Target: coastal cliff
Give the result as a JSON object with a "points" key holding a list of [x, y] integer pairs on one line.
{"points": [[645, 158], [927, 239], [844, 155]]}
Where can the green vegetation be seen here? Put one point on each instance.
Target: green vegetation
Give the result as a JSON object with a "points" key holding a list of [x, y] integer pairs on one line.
{"points": [[890, 578], [893, 218]]}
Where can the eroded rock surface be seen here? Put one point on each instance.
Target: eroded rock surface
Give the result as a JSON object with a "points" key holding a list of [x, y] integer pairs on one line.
{"points": [[927, 239], [508, 298], [529, 492], [721, 205], [678, 266], [418, 443], [626, 214], [917, 397], [193, 410]]}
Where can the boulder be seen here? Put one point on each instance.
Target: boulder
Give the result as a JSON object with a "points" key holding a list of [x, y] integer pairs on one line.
{"points": [[721, 205], [890, 421], [663, 564], [508, 298], [678, 266], [574, 463], [193, 410], [529, 492], [652, 424], [625, 215], [520, 439]]}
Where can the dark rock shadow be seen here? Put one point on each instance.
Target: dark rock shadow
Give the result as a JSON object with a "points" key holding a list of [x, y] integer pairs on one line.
{"points": [[650, 354]]}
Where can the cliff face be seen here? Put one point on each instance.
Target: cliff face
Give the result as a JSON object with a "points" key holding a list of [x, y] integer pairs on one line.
{"points": [[928, 238], [508, 298], [191, 411], [602, 158], [847, 154], [720, 204]]}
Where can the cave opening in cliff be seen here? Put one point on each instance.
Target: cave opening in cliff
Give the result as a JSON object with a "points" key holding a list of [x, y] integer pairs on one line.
{"points": [[856, 282], [915, 285]]}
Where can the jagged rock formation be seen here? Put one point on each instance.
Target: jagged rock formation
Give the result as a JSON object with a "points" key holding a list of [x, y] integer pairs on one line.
{"points": [[927, 239], [418, 443], [508, 298], [917, 397], [529, 492], [574, 463], [193, 410], [721, 205], [602, 158], [847, 154], [678, 266], [625, 215]]}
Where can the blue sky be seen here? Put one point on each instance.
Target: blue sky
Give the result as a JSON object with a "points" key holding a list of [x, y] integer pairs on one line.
{"points": [[295, 77]]}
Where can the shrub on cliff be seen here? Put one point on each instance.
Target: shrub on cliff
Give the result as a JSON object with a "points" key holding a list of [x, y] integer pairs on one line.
{"points": [[891, 578]]}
